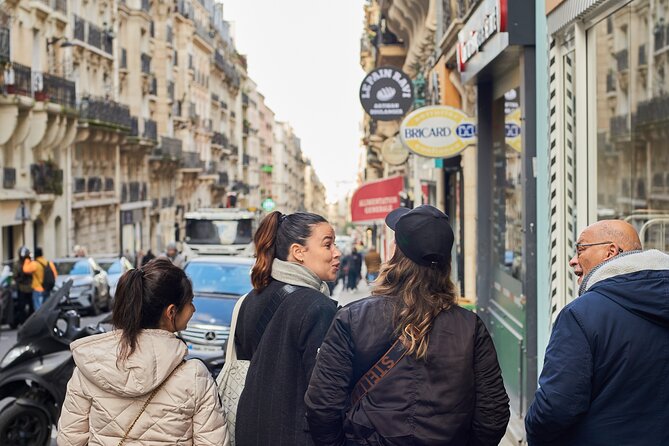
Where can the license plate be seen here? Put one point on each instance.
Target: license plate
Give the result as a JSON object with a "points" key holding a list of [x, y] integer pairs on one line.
{"points": [[204, 348]]}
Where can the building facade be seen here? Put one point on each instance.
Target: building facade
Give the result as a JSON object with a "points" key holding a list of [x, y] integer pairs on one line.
{"points": [[116, 118]]}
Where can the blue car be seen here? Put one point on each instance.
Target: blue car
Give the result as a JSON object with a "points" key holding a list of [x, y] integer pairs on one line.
{"points": [[218, 282]]}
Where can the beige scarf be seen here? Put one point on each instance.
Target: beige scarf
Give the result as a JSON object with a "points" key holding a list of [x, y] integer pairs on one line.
{"points": [[299, 275]]}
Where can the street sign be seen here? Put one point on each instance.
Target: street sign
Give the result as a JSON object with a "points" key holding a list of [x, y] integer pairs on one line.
{"points": [[386, 94], [438, 131], [268, 205]]}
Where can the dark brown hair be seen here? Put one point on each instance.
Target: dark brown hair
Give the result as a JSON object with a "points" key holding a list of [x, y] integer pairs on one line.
{"points": [[419, 294], [143, 294], [276, 233]]}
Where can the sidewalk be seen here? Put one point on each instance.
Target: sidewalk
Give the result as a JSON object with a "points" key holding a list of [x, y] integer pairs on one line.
{"points": [[345, 297]]}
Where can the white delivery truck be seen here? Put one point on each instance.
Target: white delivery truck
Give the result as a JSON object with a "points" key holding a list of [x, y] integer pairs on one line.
{"points": [[219, 231]]}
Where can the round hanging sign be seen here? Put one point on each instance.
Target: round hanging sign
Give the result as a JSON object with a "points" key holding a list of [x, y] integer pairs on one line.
{"points": [[438, 131], [393, 152], [386, 94]]}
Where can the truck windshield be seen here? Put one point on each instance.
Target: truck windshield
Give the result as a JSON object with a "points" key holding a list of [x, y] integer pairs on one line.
{"points": [[219, 232]]}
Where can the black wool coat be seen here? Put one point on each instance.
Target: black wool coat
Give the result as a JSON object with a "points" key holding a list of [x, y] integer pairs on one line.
{"points": [[271, 408]]}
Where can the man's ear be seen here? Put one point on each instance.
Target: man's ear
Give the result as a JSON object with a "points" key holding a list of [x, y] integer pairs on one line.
{"points": [[613, 250]]}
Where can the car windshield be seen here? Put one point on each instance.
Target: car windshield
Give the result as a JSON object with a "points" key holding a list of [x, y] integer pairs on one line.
{"points": [[113, 268], [220, 278], [78, 268], [219, 232], [213, 311]]}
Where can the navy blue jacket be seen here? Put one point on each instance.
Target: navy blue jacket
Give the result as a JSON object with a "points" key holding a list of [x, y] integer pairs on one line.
{"points": [[606, 373]]}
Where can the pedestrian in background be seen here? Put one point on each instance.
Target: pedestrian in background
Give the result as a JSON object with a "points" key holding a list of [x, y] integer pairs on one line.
{"points": [[173, 255], [148, 257], [354, 269], [426, 369], [133, 384], [44, 276], [373, 264], [604, 380], [281, 325], [24, 286]]}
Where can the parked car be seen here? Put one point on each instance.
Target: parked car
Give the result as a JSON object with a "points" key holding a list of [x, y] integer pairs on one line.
{"points": [[115, 267], [218, 282], [90, 290]]}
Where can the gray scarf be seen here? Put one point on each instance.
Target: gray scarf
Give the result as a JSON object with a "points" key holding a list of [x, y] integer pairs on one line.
{"points": [[296, 274]]}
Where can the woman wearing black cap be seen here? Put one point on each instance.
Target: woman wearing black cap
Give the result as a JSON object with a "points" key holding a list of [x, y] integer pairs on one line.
{"points": [[407, 365]]}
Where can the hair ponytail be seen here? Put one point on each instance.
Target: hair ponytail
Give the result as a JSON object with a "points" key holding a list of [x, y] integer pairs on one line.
{"points": [[141, 297], [265, 245]]}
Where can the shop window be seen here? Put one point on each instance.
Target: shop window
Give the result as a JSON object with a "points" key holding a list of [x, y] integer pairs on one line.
{"points": [[633, 122]]}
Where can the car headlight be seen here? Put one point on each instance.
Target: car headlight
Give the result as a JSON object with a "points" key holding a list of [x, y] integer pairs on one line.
{"points": [[13, 354]]}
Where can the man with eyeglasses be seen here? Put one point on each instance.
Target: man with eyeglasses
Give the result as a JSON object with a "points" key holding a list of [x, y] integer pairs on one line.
{"points": [[606, 370]]}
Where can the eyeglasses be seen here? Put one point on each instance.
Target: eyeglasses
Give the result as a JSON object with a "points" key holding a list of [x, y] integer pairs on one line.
{"points": [[580, 247]]}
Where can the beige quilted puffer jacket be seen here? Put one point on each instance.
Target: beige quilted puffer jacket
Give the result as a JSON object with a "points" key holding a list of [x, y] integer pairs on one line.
{"points": [[103, 400]]}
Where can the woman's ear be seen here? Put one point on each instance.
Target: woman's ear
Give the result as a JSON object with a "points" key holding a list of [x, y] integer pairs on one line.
{"points": [[296, 253]]}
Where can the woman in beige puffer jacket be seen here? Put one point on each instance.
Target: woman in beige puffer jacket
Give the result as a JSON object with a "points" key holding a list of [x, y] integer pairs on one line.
{"points": [[118, 371]]}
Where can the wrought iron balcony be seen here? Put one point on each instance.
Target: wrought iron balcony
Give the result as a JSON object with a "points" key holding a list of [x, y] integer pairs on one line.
{"points": [[102, 111], [8, 177], [169, 148], [4, 44], [60, 6], [622, 60], [150, 130], [219, 139], [134, 127], [146, 63], [19, 80], [191, 160], [203, 31], [60, 90], [79, 28], [643, 55], [94, 184], [47, 178], [94, 36], [79, 185], [655, 110]]}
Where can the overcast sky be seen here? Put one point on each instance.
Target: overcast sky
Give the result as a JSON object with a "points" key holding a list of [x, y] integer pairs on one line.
{"points": [[305, 57]]}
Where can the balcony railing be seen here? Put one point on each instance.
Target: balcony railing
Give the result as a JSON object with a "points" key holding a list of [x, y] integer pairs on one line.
{"points": [[4, 44], [170, 147], [60, 90], [60, 6], [79, 185], [150, 129], [47, 178], [202, 30], [19, 80], [610, 82], [220, 139], [134, 127], [653, 111], [79, 28], [622, 60], [94, 184], [94, 36], [643, 55], [102, 111], [8, 177], [146, 64], [191, 160]]}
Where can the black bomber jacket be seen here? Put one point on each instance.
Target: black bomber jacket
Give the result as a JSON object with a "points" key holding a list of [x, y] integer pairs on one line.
{"points": [[455, 397]]}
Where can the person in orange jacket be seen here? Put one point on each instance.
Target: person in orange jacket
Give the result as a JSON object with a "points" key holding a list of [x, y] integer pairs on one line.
{"points": [[37, 267]]}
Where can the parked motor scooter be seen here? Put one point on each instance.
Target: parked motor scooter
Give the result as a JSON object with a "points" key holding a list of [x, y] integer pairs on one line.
{"points": [[34, 373], [8, 298]]}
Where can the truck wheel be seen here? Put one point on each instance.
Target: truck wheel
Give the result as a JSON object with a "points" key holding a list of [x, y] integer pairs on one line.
{"points": [[24, 426]]}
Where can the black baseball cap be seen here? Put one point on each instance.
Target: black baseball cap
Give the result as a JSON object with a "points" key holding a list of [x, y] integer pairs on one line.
{"points": [[423, 234]]}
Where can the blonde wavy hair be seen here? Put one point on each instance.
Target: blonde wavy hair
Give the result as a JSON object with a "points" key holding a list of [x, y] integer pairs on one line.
{"points": [[420, 293]]}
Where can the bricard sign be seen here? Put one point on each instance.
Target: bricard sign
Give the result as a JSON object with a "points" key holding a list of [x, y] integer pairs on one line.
{"points": [[489, 19], [438, 131], [386, 94]]}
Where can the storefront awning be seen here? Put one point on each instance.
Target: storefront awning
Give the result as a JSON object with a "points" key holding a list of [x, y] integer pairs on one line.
{"points": [[372, 201]]}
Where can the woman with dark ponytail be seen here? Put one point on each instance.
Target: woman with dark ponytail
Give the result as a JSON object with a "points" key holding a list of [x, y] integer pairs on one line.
{"points": [[133, 385], [281, 325]]}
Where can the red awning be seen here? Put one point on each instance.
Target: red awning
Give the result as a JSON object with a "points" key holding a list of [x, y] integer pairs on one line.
{"points": [[372, 201]]}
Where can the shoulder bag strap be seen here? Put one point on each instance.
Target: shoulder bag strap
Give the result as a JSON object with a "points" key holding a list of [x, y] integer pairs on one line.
{"points": [[378, 371], [271, 308], [146, 403], [230, 350]]}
